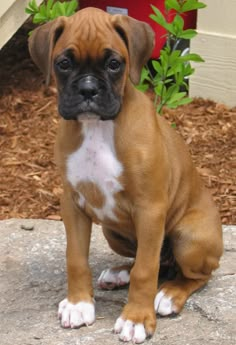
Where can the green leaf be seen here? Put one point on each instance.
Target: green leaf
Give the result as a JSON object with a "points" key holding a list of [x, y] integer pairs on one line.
{"points": [[188, 34], [144, 75], [186, 85], [157, 67], [167, 81], [49, 7], [160, 19], [72, 6], [172, 90], [29, 11], [191, 5], [164, 91], [38, 19], [177, 96], [62, 8], [179, 75], [164, 60], [172, 4], [43, 10], [188, 70], [55, 12], [173, 70], [185, 100], [159, 108], [174, 57], [179, 79], [173, 105], [191, 57], [159, 89], [34, 5], [142, 87], [178, 23], [157, 79]]}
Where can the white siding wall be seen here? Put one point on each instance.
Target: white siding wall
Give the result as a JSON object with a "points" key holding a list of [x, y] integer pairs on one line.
{"points": [[216, 43], [12, 16]]}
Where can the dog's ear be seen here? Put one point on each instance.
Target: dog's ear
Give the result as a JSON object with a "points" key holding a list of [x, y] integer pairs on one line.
{"points": [[41, 44], [139, 39]]}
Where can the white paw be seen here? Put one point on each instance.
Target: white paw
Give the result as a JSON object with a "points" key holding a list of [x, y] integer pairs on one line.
{"points": [[76, 315], [164, 305], [110, 279], [130, 331]]}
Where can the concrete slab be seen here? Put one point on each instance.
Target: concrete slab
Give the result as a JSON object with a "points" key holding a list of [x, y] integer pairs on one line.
{"points": [[33, 282]]}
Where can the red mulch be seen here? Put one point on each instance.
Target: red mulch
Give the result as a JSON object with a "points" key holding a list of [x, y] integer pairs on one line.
{"points": [[30, 185]]}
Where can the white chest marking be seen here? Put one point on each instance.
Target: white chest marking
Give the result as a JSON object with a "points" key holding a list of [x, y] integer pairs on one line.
{"points": [[95, 161]]}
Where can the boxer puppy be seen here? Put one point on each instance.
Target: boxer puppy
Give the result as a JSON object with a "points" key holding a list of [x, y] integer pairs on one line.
{"points": [[123, 167]]}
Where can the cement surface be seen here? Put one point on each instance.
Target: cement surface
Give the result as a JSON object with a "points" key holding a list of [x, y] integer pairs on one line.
{"points": [[33, 282]]}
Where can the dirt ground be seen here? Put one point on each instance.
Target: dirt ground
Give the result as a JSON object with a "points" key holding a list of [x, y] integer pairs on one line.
{"points": [[30, 186]]}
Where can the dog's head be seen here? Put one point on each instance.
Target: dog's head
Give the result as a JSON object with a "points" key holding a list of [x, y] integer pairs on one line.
{"points": [[91, 54]]}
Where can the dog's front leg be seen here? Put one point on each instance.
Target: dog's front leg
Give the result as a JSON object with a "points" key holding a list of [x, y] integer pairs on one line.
{"points": [[138, 319], [78, 308]]}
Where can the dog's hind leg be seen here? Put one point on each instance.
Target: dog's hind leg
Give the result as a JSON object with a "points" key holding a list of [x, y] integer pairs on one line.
{"points": [[117, 277], [197, 247]]}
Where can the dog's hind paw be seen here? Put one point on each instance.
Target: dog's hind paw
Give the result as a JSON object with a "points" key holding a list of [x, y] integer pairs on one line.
{"points": [[76, 315], [111, 279], [164, 305]]}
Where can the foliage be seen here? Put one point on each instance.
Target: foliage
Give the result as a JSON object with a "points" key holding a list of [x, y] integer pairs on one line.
{"points": [[172, 69], [50, 10]]}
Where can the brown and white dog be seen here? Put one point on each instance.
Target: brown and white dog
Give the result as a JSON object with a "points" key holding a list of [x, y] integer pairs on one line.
{"points": [[125, 168]]}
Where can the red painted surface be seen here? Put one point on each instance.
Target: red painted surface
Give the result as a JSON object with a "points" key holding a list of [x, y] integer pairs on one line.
{"points": [[141, 9]]}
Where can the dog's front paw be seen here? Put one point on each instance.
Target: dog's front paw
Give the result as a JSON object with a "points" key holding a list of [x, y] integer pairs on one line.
{"points": [[135, 324], [76, 315], [130, 331]]}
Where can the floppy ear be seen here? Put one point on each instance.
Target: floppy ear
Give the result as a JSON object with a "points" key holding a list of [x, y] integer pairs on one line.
{"points": [[42, 42], [139, 39]]}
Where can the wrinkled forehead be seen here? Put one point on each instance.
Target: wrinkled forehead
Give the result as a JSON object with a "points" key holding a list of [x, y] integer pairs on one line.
{"points": [[90, 36]]}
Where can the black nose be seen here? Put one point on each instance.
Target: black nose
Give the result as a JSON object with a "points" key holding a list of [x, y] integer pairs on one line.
{"points": [[88, 87]]}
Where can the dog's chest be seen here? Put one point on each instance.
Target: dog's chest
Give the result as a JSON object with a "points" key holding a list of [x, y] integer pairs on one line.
{"points": [[93, 170]]}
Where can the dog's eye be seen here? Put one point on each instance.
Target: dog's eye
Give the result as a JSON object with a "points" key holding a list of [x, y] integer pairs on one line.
{"points": [[114, 65], [64, 64]]}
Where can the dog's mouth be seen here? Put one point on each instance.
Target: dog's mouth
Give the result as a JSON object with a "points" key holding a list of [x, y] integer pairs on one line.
{"points": [[88, 96], [75, 110], [87, 115]]}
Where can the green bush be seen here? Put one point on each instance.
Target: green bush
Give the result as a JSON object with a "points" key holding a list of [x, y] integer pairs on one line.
{"points": [[172, 69], [50, 10]]}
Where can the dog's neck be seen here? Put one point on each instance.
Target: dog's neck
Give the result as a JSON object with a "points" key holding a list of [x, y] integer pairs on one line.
{"points": [[98, 132]]}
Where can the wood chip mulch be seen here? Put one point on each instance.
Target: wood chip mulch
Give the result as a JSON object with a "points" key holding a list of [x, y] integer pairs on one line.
{"points": [[30, 186]]}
